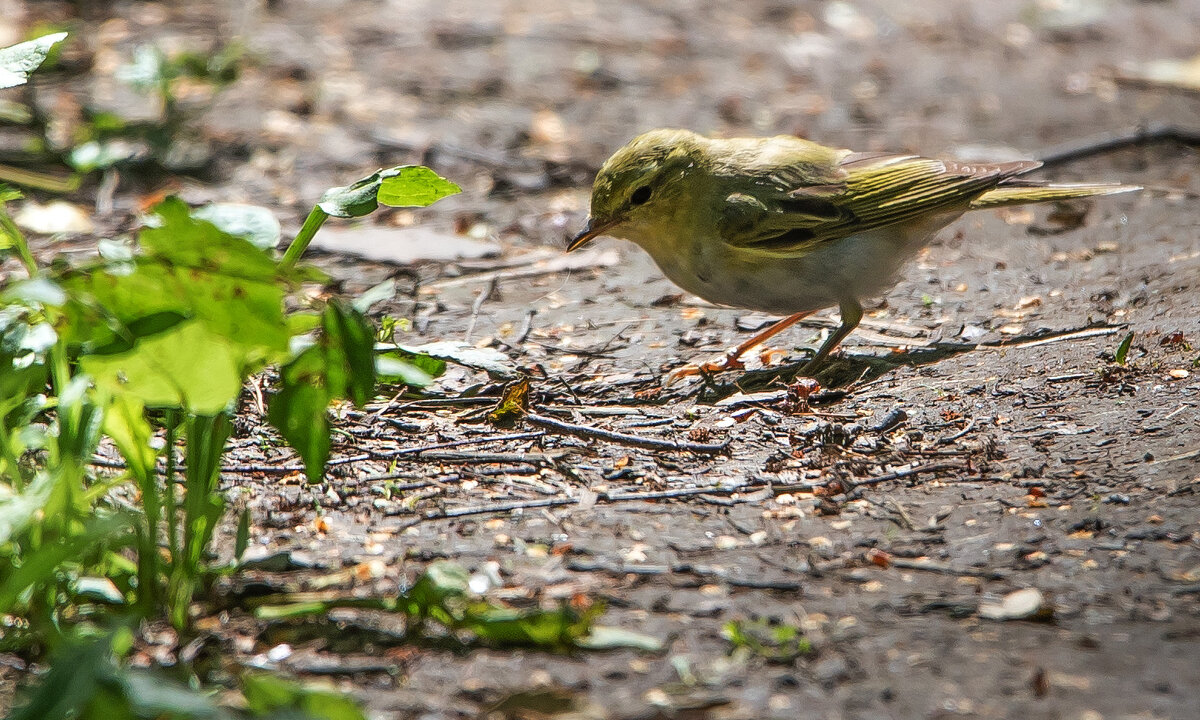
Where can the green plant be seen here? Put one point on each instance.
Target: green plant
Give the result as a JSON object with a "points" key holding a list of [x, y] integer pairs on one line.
{"points": [[772, 641], [155, 338], [440, 604]]}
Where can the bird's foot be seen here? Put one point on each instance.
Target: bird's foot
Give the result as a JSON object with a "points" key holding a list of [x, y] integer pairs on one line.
{"points": [[708, 368], [730, 361]]}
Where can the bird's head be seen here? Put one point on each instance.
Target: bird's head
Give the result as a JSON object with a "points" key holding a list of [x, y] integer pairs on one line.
{"points": [[639, 186]]}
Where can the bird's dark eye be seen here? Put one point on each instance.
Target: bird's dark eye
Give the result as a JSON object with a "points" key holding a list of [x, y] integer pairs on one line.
{"points": [[640, 196]]}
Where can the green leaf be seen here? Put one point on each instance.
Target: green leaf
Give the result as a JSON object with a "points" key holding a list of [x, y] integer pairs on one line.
{"points": [[152, 695], [414, 186], [401, 186], [441, 581], [24, 341], [299, 410], [274, 695], [341, 364], [41, 567], [242, 538], [187, 367], [256, 224], [772, 641], [182, 323], [275, 613], [1122, 353], [487, 359], [349, 343], [125, 423], [390, 368], [352, 200], [18, 61], [556, 629]]}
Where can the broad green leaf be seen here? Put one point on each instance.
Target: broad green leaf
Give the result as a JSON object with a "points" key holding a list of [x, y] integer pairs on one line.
{"points": [[275, 613], [18, 61], [414, 186], [349, 343], [187, 367], [182, 323], [24, 341], [401, 186], [42, 566], [559, 628], [256, 224]]}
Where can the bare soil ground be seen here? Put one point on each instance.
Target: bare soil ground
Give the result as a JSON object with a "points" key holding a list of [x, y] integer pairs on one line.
{"points": [[1019, 454]]}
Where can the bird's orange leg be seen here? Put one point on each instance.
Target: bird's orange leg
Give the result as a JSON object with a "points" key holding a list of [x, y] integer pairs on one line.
{"points": [[732, 359]]}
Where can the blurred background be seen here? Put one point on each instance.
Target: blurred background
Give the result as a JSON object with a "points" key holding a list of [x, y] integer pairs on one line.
{"points": [[271, 102]]}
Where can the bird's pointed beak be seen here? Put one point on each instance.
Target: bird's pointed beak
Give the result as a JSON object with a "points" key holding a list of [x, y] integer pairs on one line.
{"points": [[590, 230]]}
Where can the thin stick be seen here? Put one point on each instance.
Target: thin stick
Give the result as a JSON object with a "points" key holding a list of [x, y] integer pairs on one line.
{"points": [[906, 564], [458, 443], [681, 569], [1064, 337], [560, 502], [1111, 142], [586, 431], [969, 427], [1176, 458], [919, 470]]}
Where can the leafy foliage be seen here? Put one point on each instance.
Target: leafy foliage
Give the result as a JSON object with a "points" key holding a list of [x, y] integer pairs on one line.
{"points": [[440, 603], [18, 61], [87, 682], [339, 365]]}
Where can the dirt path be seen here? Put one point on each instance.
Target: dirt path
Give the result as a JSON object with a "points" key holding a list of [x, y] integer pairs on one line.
{"points": [[1021, 455]]}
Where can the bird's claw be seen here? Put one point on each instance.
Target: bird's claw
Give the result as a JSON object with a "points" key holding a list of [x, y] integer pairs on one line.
{"points": [[726, 363]]}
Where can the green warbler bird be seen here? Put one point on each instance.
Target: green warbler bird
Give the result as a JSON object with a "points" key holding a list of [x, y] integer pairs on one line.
{"points": [[786, 226]]}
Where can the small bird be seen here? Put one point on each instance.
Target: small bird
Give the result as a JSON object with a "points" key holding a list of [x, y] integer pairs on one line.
{"points": [[787, 226]]}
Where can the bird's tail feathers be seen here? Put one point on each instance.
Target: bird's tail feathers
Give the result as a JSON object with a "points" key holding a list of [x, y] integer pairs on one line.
{"points": [[1022, 192]]}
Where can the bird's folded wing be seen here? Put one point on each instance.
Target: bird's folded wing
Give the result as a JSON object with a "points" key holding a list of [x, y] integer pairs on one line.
{"points": [[875, 191]]}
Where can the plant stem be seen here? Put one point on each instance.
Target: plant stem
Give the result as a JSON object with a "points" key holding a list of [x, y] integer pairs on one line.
{"points": [[47, 182], [172, 429], [8, 227], [312, 223]]}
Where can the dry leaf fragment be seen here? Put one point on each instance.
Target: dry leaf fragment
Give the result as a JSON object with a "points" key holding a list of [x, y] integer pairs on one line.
{"points": [[1025, 604]]}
